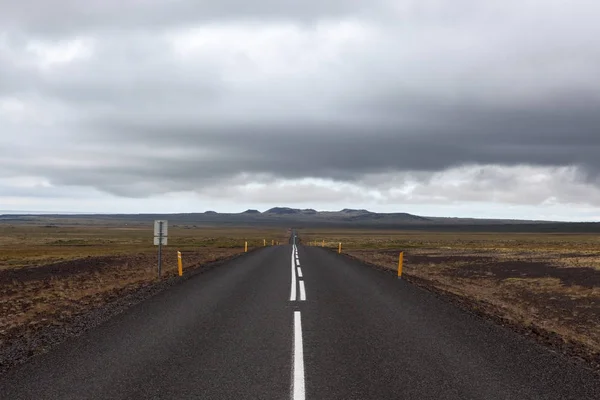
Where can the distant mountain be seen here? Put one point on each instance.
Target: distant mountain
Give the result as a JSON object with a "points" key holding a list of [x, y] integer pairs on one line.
{"points": [[370, 216], [282, 211], [290, 211], [345, 216], [306, 218], [355, 212]]}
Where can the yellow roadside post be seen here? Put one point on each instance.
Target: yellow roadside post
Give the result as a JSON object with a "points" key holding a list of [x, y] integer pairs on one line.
{"points": [[273, 242], [340, 248], [400, 262], [264, 242], [179, 263], [323, 243], [246, 247]]}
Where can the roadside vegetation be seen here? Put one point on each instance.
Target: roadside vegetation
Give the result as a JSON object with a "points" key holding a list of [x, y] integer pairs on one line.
{"points": [[543, 285]]}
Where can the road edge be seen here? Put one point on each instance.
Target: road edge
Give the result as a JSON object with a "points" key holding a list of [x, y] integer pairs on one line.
{"points": [[575, 352], [22, 350]]}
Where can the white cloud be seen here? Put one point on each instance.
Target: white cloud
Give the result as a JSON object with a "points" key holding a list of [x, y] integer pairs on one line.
{"points": [[52, 54]]}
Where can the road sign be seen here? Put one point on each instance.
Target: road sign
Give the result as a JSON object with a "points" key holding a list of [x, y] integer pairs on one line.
{"points": [[157, 227], [161, 231], [157, 240]]}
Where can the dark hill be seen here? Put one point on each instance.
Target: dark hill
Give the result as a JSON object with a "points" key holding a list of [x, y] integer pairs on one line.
{"points": [[282, 211]]}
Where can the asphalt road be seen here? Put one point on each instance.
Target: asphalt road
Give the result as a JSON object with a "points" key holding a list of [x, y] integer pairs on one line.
{"points": [[341, 331]]}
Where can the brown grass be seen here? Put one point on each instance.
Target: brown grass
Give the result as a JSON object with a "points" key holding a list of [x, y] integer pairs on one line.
{"points": [[25, 245]]}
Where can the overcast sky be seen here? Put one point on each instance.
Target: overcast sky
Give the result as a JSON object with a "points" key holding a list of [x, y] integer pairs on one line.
{"points": [[444, 108]]}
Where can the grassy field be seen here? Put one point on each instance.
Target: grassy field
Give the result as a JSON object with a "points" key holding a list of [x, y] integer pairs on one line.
{"points": [[27, 245], [52, 273], [545, 285]]}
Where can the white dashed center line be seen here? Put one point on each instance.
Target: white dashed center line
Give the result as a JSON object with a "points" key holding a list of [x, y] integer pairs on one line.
{"points": [[296, 278], [302, 291], [298, 389], [293, 295]]}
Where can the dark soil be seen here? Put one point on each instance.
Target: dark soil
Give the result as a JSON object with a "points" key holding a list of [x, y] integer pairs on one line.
{"points": [[500, 270], [60, 269], [489, 267]]}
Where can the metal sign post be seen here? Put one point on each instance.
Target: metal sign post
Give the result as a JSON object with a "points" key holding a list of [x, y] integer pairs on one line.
{"points": [[161, 233]]}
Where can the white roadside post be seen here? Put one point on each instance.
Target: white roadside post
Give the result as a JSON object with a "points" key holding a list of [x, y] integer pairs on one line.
{"points": [[161, 233]]}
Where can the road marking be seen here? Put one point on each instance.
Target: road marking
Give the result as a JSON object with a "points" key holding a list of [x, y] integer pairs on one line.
{"points": [[293, 289], [302, 291], [297, 262], [300, 273], [298, 390]]}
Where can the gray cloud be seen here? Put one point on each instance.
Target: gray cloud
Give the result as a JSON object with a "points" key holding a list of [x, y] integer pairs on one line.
{"points": [[65, 17], [175, 96]]}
